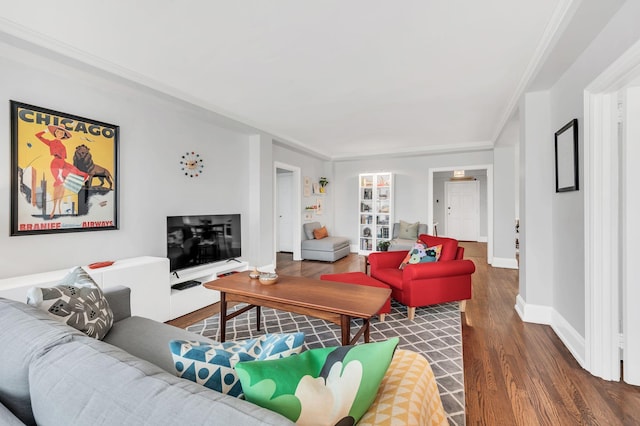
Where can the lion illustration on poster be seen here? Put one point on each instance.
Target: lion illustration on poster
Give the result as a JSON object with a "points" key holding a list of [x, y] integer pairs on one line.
{"points": [[83, 160]]}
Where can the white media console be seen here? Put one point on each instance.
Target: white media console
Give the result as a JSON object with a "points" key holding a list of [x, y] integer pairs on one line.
{"points": [[149, 280]]}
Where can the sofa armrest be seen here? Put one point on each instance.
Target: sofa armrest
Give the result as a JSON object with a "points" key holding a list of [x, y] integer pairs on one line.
{"points": [[119, 298], [448, 268], [386, 259]]}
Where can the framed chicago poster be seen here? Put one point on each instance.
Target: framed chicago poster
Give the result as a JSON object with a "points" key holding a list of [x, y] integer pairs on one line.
{"points": [[64, 172]]}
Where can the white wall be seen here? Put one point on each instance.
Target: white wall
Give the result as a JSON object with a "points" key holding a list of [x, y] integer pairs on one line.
{"points": [[154, 133], [410, 185], [505, 180], [313, 168], [564, 216]]}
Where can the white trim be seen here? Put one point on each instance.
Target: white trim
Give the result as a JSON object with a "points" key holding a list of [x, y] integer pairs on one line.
{"points": [[537, 314], [489, 169], [569, 336], [601, 206], [546, 315], [505, 262], [296, 189], [483, 239]]}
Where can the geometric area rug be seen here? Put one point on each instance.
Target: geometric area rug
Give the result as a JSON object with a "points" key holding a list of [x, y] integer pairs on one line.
{"points": [[435, 333]]}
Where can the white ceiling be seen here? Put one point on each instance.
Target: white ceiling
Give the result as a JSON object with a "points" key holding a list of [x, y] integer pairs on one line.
{"points": [[341, 78]]}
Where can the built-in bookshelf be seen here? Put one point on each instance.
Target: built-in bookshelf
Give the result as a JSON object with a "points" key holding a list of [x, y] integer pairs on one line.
{"points": [[375, 210]]}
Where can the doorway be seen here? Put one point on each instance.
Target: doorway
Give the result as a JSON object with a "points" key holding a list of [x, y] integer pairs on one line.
{"points": [[287, 220], [284, 211], [431, 204]]}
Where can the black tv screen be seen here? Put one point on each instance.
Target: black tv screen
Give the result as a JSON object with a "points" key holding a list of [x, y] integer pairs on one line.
{"points": [[201, 239]]}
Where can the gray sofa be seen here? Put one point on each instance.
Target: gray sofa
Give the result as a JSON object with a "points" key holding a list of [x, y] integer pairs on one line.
{"points": [[328, 249], [52, 374]]}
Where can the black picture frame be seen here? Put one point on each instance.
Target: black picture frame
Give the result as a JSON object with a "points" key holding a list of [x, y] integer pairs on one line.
{"points": [[566, 149], [64, 172]]}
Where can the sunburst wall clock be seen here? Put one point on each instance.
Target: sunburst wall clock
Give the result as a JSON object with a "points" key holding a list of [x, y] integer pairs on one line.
{"points": [[191, 164]]}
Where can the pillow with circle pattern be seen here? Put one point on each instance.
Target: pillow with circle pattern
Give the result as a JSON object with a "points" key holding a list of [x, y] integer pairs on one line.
{"points": [[76, 301], [212, 364], [420, 253]]}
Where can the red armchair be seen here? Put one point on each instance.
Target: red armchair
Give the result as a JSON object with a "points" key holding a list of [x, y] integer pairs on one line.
{"points": [[422, 284]]}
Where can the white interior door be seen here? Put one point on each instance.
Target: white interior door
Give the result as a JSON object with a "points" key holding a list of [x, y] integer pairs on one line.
{"points": [[284, 240], [462, 218]]}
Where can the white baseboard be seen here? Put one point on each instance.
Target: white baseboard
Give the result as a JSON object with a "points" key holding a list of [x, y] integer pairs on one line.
{"points": [[504, 262], [546, 315], [570, 337]]}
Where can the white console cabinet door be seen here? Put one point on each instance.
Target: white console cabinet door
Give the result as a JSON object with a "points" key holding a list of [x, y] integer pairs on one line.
{"points": [[148, 279]]}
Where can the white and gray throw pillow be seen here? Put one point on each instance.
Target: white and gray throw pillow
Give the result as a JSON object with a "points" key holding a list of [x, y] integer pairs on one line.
{"points": [[76, 301]]}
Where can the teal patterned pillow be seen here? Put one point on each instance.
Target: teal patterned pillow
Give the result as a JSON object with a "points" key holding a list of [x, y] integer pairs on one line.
{"points": [[212, 364], [326, 386], [76, 301]]}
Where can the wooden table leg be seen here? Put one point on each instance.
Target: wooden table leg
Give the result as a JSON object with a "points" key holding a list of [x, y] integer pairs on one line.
{"points": [[258, 317], [345, 327], [223, 316]]}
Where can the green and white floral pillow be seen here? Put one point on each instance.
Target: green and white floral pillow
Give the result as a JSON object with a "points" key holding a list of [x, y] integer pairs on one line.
{"points": [[326, 386]]}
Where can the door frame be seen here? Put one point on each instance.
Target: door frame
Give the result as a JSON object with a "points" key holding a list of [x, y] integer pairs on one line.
{"points": [[476, 185], [283, 176], [602, 213], [296, 221], [489, 169]]}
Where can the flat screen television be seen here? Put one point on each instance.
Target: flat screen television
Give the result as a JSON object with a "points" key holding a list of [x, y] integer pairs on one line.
{"points": [[202, 239]]}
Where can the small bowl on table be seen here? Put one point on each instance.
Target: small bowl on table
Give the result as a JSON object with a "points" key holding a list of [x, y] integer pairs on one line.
{"points": [[268, 278], [255, 274]]}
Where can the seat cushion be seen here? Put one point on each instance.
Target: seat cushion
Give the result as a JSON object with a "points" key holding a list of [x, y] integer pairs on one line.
{"points": [[326, 244], [26, 333], [87, 381], [390, 276]]}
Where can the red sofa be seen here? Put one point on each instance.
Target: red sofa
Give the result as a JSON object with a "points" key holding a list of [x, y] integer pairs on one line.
{"points": [[422, 284]]}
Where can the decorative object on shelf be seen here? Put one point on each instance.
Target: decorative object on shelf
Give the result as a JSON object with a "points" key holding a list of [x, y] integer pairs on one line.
{"points": [[323, 182], [268, 278], [383, 245], [191, 164], [255, 274], [55, 159], [314, 207], [566, 141], [319, 203], [306, 187]]}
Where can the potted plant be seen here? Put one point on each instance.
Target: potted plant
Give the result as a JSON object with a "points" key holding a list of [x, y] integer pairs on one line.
{"points": [[383, 245], [323, 182]]}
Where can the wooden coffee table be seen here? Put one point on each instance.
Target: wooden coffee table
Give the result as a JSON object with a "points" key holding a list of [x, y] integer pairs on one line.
{"points": [[330, 301]]}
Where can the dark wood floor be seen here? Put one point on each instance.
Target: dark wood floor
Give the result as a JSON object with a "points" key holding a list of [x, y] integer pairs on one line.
{"points": [[515, 373]]}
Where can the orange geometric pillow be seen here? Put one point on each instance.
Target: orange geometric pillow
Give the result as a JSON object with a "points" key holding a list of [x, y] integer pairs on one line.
{"points": [[320, 233]]}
